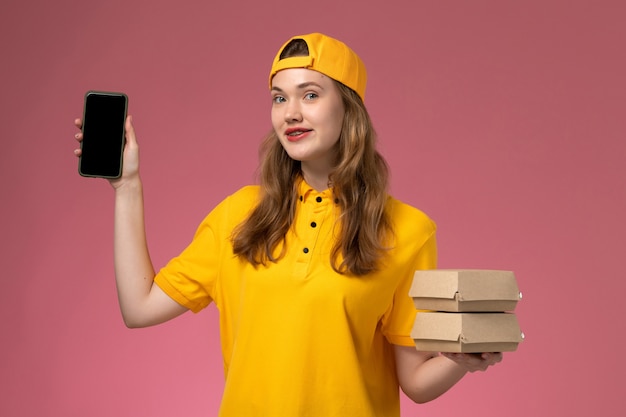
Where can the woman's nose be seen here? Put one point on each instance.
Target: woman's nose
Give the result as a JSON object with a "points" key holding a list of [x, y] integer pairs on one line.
{"points": [[293, 112]]}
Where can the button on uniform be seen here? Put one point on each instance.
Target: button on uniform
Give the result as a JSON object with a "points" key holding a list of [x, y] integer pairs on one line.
{"points": [[313, 210]]}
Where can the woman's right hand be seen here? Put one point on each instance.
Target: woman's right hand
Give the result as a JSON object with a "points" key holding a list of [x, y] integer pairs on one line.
{"points": [[130, 166], [142, 302]]}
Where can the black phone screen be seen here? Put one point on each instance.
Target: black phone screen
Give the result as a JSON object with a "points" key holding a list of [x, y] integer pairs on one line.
{"points": [[103, 134]]}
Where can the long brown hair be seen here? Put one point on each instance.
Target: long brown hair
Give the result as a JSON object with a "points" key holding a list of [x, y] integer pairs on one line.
{"points": [[359, 183]]}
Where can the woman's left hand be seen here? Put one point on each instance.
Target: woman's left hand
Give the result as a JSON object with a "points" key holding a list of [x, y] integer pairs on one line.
{"points": [[473, 362]]}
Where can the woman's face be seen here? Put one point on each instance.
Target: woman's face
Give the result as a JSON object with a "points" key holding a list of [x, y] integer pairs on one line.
{"points": [[307, 116]]}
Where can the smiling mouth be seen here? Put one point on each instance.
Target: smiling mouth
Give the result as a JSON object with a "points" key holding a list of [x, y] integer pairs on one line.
{"points": [[297, 132]]}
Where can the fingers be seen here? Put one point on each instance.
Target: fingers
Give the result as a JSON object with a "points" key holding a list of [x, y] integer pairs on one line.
{"points": [[492, 357], [78, 136], [79, 124], [475, 362]]}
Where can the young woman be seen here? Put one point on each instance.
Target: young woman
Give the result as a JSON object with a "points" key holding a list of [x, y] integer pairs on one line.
{"points": [[311, 269]]}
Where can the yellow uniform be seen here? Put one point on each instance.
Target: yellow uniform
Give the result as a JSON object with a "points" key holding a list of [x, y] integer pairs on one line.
{"points": [[297, 338]]}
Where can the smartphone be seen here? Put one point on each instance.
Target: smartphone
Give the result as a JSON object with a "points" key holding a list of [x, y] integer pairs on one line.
{"points": [[103, 141]]}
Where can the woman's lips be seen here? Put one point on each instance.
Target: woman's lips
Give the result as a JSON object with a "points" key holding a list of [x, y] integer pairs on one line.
{"points": [[295, 134]]}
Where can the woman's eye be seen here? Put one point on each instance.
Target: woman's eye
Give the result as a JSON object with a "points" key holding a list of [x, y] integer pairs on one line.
{"points": [[278, 99], [310, 96]]}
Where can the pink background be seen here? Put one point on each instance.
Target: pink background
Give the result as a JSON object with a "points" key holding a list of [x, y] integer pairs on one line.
{"points": [[502, 120]]}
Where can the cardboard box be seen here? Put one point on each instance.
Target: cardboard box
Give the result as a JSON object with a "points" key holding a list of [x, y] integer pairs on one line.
{"points": [[466, 332], [465, 290]]}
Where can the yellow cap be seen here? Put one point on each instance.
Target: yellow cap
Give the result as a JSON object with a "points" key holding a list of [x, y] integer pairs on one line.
{"points": [[328, 56]]}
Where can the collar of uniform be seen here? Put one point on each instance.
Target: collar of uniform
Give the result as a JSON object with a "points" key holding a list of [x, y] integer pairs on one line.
{"points": [[306, 192]]}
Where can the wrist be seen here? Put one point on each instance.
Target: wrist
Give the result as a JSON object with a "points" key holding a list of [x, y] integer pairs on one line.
{"points": [[125, 186]]}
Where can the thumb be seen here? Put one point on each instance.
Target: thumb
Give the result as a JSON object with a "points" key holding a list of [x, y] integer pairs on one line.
{"points": [[130, 131]]}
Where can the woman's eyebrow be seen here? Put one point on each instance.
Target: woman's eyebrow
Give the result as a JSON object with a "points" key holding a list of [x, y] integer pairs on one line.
{"points": [[309, 84], [301, 86]]}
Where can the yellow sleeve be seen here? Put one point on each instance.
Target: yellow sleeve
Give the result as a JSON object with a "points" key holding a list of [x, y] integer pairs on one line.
{"points": [[418, 252]]}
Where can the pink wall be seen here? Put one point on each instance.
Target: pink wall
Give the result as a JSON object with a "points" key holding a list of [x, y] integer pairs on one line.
{"points": [[503, 120]]}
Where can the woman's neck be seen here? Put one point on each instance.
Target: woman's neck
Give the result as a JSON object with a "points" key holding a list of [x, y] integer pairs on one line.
{"points": [[316, 178], [319, 184]]}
